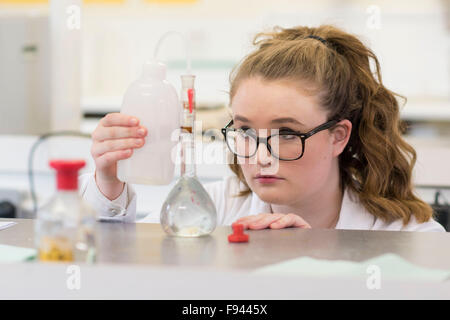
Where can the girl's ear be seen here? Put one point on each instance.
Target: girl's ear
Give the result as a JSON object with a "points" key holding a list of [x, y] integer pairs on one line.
{"points": [[340, 136]]}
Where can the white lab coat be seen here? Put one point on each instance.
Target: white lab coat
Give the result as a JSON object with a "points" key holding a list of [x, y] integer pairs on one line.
{"points": [[229, 208]]}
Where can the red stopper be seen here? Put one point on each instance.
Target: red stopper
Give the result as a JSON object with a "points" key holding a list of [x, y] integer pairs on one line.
{"points": [[191, 99], [67, 173], [238, 234]]}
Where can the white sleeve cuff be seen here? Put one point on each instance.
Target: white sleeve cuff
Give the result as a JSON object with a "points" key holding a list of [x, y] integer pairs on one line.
{"points": [[123, 208]]}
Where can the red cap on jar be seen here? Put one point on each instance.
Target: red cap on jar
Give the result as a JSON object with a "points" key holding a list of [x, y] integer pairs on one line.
{"points": [[67, 173]]}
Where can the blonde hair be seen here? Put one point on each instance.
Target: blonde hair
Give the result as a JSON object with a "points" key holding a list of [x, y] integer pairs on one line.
{"points": [[377, 162]]}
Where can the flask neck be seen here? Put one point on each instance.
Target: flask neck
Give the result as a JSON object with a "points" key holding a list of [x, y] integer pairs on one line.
{"points": [[187, 167], [187, 137]]}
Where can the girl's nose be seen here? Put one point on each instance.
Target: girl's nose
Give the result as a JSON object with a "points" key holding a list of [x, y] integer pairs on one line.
{"points": [[267, 163], [263, 156]]}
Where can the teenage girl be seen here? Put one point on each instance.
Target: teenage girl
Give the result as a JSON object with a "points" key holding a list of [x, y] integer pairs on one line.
{"points": [[316, 138]]}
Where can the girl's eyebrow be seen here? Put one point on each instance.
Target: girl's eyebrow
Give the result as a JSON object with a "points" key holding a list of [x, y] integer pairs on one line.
{"points": [[275, 121], [241, 118], [287, 120]]}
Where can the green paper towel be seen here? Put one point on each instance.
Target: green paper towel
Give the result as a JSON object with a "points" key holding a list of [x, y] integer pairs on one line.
{"points": [[391, 266], [16, 254]]}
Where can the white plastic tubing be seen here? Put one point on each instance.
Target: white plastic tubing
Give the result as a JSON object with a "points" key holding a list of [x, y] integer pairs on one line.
{"points": [[186, 43]]}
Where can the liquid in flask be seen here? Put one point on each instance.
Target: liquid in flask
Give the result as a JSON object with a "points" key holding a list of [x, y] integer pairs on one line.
{"points": [[188, 210]]}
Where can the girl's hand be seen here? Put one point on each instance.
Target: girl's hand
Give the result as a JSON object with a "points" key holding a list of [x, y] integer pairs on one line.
{"points": [[114, 139], [273, 221]]}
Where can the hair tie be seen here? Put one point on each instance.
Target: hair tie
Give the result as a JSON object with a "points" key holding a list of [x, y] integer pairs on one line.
{"points": [[317, 38]]}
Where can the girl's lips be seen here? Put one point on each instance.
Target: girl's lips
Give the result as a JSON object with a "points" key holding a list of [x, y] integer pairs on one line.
{"points": [[267, 179]]}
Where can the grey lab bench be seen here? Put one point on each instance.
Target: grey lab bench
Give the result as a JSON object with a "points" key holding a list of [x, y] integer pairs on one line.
{"points": [[141, 261]]}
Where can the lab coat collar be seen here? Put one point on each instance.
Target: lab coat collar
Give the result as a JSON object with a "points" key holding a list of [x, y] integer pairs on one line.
{"points": [[353, 215]]}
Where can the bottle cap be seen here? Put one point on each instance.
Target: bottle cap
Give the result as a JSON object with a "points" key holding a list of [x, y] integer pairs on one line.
{"points": [[67, 173], [238, 234], [155, 69]]}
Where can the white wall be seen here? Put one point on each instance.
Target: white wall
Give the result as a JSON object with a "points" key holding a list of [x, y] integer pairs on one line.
{"points": [[412, 43]]}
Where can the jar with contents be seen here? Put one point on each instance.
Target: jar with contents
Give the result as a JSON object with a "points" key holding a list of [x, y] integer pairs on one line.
{"points": [[64, 229]]}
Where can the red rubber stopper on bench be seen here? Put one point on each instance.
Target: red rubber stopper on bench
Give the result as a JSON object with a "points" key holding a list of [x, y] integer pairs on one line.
{"points": [[238, 234]]}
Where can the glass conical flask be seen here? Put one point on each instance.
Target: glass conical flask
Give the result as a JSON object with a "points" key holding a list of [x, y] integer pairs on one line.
{"points": [[188, 210]]}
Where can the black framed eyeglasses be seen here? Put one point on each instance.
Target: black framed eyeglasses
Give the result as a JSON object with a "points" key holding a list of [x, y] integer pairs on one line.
{"points": [[285, 145]]}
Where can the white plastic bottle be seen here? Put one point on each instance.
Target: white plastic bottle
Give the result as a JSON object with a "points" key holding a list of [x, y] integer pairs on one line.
{"points": [[154, 101]]}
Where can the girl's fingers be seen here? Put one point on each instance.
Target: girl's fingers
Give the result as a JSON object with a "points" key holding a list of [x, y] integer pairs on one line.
{"points": [[248, 218], [264, 221], [103, 147], [290, 220], [109, 133], [273, 221], [119, 120], [111, 158], [246, 221]]}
